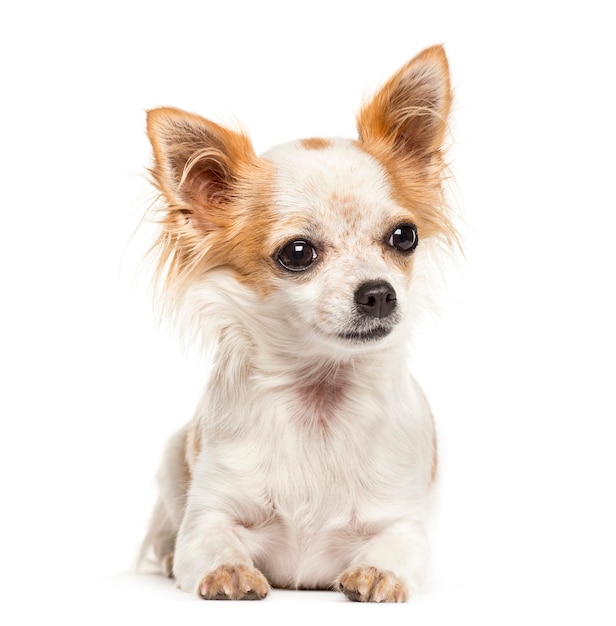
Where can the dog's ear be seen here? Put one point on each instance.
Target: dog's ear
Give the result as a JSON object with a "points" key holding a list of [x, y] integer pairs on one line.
{"points": [[196, 164], [200, 170], [409, 113]]}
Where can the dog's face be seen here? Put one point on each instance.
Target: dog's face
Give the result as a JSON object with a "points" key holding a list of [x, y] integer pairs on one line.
{"points": [[325, 232], [341, 248]]}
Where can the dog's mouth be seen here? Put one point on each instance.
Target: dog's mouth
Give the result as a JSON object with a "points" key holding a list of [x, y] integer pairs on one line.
{"points": [[372, 334]]}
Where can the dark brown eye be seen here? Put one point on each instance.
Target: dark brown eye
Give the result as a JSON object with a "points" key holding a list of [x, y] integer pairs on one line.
{"points": [[297, 255], [404, 238]]}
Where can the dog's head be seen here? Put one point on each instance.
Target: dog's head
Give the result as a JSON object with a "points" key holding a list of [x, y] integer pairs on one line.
{"points": [[322, 233]]}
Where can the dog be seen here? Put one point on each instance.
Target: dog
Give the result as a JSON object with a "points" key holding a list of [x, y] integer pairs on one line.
{"points": [[312, 454]]}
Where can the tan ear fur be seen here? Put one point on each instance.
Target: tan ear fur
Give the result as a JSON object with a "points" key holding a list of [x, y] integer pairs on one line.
{"points": [[410, 111], [404, 127], [199, 169], [196, 160], [208, 176]]}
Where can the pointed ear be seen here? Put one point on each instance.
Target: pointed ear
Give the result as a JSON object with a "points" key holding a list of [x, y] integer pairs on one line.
{"points": [[409, 113], [196, 162]]}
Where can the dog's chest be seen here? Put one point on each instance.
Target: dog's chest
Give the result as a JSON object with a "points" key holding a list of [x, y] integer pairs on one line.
{"points": [[313, 477], [321, 399], [313, 505]]}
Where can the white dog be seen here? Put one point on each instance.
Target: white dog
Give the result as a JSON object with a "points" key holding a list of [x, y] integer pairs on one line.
{"points": [[311, 454]]}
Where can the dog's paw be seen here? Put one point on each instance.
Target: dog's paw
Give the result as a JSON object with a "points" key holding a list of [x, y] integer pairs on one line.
{"points": [[234, 582], [369, 584], [167, 565]]}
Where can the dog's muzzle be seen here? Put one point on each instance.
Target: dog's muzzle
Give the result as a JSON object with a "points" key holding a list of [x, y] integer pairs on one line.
{"points": [[375, 303]]}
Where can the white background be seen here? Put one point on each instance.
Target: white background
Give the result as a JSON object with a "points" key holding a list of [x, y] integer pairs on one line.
{"points": [[519, 364]]}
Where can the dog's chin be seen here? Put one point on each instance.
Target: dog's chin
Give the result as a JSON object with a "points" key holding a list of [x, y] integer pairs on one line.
{"points": [[371, 335], [351, 338]]}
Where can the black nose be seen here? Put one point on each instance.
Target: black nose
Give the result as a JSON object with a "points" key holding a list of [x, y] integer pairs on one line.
{"points": [[376, 299]]}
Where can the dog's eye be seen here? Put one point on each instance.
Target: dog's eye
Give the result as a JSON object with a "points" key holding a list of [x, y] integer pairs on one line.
{"points": [[404, 238], [296, 256]]}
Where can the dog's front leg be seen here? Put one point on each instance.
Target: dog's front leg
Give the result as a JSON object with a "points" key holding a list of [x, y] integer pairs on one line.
{"points": [[211, 559], [390, 566]]}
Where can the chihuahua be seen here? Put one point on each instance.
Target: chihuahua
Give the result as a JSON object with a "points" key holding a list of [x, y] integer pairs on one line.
{"points": [[311, 455]]}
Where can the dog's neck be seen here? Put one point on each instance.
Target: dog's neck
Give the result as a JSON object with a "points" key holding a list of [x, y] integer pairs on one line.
{"points": [[252, 343], [258, 358]]}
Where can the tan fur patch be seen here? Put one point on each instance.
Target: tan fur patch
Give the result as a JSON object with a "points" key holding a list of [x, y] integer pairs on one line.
{"points": [[321, 394], [346, 205], [315, 143], [420, 190], [241, 243]]}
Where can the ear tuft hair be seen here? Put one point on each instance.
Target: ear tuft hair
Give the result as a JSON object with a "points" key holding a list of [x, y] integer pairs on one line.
{"points": [[409, 113], [196, 161], [404, 126], [198, 168]]}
